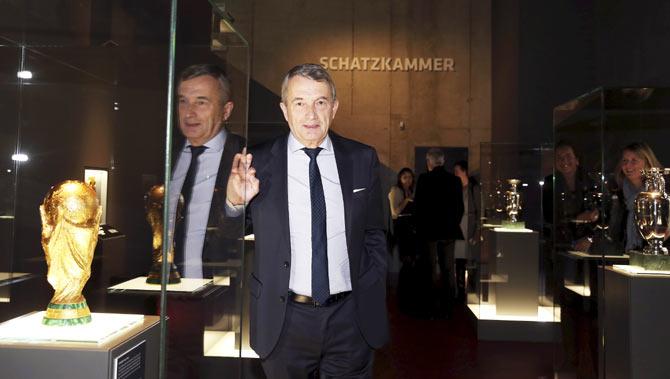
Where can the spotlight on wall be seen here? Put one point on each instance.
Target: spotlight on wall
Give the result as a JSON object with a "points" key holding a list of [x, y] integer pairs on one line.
{"points": [[20, 157], [24, 74]]}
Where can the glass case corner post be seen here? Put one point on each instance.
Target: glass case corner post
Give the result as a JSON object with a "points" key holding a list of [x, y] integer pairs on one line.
{"points": [[165, 269]]}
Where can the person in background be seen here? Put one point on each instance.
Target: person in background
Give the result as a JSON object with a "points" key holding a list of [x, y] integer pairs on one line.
{"points": [[439, 208], [634, 158], [569, 191], [464, 250], [401, 200]]}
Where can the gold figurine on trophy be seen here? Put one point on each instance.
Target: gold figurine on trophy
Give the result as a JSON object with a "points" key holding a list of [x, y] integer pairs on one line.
{"points": [[70, 216], [153, 204]]}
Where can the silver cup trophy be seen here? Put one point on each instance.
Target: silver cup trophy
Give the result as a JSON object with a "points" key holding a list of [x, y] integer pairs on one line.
{"points": [[513, 200], [652, 207]]}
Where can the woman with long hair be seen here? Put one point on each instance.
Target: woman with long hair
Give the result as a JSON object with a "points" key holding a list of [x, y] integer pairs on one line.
{"points": [[634, 158], [401, 199]]}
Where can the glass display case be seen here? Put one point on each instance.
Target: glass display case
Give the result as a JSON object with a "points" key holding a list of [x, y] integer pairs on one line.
{"points": [[89, 93], [607, 281], [509, 289]]}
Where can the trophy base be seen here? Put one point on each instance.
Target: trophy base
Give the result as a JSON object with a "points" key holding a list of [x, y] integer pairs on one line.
{"points": [[67, 314], [507, 224], [154, 276], [649, 261]]}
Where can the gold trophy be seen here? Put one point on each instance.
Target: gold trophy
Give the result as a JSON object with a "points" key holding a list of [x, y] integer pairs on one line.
{"points": [[513, 205], [652, 207], [153, 204], [70, 216]]}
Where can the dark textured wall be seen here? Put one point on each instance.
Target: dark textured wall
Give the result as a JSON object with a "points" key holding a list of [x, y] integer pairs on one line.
{"points": [[545, 53]]}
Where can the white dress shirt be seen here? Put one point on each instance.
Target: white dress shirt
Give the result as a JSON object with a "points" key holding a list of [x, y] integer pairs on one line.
{"points": [[300, 219], [201, 199]]}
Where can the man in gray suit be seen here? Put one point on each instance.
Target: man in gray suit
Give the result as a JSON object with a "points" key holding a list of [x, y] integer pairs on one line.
{"points": [[318, 281]]}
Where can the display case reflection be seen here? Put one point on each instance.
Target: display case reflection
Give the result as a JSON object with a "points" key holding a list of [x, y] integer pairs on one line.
{"points": [[153, 205]]}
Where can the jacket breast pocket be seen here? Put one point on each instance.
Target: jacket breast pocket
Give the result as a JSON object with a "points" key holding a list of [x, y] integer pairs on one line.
{"points": [[255, 286]]}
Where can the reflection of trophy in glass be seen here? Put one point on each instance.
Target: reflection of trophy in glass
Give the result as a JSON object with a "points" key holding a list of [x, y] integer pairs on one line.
{"points": [[70, 218], [513, 200], [153, 204], [499, 198], [652, 207]]}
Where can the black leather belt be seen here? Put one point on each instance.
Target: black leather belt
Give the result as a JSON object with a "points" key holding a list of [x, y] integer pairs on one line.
{"points": [[332, 299]]}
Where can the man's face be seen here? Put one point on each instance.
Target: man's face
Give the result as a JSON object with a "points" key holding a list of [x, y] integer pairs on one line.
{"points": [[201, 109], [566, 161], [458, 171], [309, 109]]}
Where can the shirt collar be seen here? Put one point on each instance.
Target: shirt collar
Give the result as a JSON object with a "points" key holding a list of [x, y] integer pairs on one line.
{"points": [[295, 145], [213, 145]]}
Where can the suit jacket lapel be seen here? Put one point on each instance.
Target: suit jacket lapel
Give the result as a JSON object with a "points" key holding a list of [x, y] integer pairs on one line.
{"points": [[345, 167], [275, 181]]}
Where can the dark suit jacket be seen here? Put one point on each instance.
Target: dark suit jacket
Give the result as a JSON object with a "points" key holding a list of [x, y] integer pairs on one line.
{"points": [[223, 235], [439, 205], [357, 165]]}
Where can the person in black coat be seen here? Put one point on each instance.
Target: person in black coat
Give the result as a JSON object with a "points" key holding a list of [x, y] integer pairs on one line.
{"points": [[439, 209]]}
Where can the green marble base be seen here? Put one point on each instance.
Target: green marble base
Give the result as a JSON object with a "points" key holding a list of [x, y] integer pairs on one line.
{"points": [[513, 224], [67, 314], [650, 262]]}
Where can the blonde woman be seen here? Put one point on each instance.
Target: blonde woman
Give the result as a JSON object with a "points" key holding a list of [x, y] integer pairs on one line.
{"points": [[634, 158]]}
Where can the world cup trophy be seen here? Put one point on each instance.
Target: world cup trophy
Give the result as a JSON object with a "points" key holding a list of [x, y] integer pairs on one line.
{"points": [[153, 205], [70, 216]]}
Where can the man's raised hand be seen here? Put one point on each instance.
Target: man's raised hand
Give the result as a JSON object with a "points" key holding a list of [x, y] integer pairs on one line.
{"points": [[242, 183]]}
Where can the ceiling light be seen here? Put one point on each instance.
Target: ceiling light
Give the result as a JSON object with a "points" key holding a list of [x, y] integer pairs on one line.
{"points": [[24, 74], [20, 157]]}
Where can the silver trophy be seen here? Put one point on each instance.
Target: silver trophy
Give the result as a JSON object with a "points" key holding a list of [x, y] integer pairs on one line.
{"points": [[652, 207], [513, 200]]}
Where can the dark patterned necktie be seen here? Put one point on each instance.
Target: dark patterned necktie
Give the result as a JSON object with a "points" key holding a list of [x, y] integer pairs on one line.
{"points": [[320, 284], [187, 193]]}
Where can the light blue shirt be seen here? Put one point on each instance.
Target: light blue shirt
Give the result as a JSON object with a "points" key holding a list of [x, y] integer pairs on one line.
{"points": [[300, 219], [201, 199]]}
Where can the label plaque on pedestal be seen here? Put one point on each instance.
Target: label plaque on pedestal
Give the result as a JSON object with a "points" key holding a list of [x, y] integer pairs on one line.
{"points": [[130, 365]]}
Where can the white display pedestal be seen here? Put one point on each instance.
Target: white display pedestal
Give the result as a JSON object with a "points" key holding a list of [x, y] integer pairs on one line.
{"points": [[513, 255], [511, 310], [131, 351], [634, 317]]}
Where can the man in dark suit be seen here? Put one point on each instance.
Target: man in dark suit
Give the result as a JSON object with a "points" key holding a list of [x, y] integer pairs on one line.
{"points": [[318, 283], [204, 235], [438, 202]]}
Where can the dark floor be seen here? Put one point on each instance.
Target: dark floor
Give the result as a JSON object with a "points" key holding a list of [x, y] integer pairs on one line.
{"points": [[449, 349]]}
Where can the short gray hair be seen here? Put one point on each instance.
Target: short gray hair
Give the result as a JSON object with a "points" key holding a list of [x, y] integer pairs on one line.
{"points": [[311, 71], [436, 156], [206, 69]]}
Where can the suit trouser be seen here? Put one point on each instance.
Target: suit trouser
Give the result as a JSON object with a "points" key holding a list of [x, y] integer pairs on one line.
{"points": [[441, 257], [326, 340]]}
